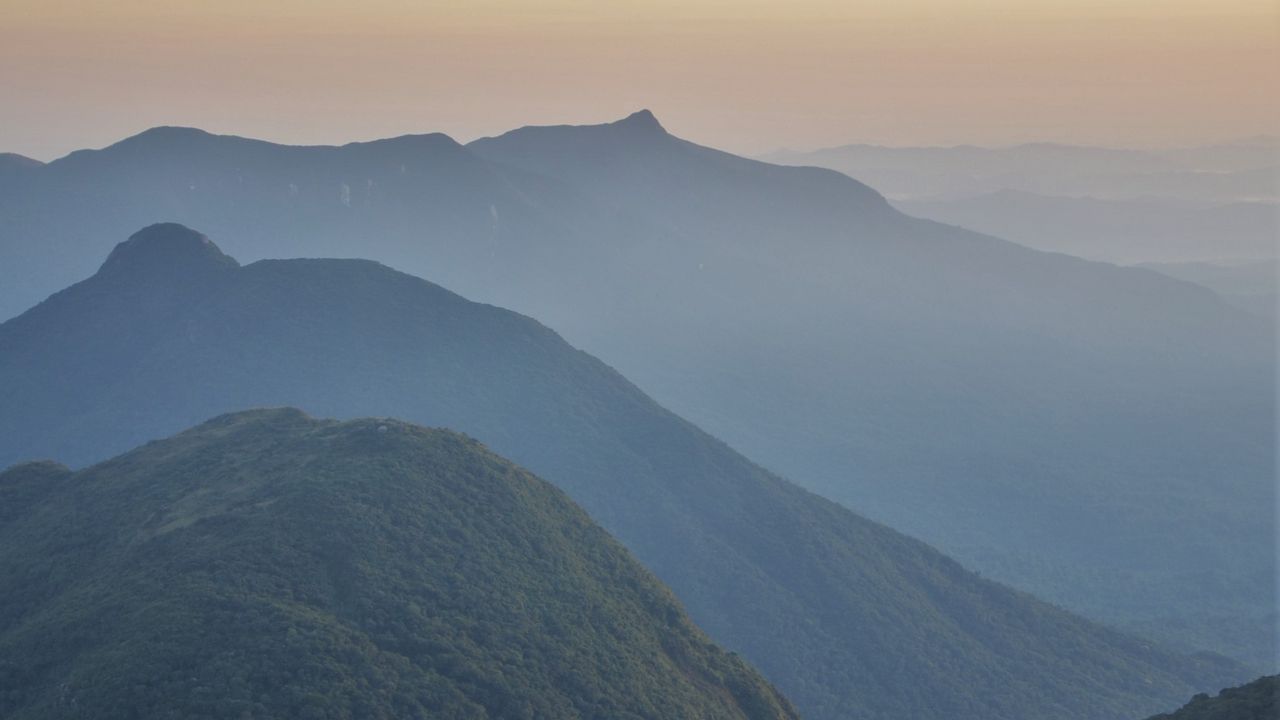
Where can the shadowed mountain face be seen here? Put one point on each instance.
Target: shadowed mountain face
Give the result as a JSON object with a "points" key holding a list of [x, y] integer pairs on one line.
{"points": [[1100, 435], [266, 564], [847, 617]]}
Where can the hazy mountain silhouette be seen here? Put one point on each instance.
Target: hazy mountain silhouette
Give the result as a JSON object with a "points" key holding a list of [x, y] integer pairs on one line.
{"points": [[267, 564], [417, 200], [13, 162], [1041, 416], [847, 617], [1251, 285], [1122, 231], [1201, 203], [1103, 436], [1245, 171]]}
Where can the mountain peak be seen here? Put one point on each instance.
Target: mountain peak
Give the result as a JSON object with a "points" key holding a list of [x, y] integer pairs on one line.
{"points": [[164, 136], [641, 120], [166, 249], [384, 510], [169, 132], [8, 159]]}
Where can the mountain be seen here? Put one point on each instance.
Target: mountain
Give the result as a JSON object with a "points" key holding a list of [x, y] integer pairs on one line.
{"points": [[1251, 285], [1244, 171], [1066, 426], [286, 201], [1100, 436], [1208, 203], [1259, 700], [1120, 231], [847, 617], [14, 163], [265, 564]]}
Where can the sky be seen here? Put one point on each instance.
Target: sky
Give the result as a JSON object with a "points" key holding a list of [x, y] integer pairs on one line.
{"points": [[745, 75]]}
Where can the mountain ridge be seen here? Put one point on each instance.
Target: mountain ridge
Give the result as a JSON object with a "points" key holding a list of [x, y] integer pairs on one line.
{"points": [[948, 383], [269, 563], [161, 137], [838, 604]]}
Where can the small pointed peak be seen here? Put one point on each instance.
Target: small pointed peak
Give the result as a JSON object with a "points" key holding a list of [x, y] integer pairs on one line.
{"points": [[641, 120], [168, 250]]}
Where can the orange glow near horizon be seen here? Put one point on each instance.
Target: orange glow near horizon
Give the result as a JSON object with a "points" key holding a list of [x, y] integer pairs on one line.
{"points": [[749, 76]]}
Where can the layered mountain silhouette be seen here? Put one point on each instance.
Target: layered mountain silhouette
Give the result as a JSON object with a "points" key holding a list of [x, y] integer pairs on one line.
{"points": [[1123, 231], [1239, 171], [265, 564], [1251, 285], [847, 617], [1102, 436]]}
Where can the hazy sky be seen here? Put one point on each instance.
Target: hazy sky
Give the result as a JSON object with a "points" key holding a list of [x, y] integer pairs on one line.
{"points": [[745, 75]]}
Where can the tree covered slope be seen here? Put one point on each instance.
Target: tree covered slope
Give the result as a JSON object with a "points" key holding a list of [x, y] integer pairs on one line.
{"points": [[265, 564], [1259, 700]]}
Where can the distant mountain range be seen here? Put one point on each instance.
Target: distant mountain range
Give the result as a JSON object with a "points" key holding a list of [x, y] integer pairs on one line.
{"points": [[1208, 204], [847, 617], [1244, 171], [266, 564], [1122, 231], [1101, 436]]}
